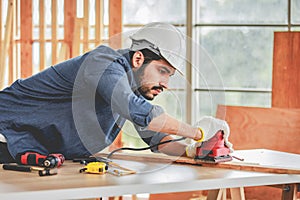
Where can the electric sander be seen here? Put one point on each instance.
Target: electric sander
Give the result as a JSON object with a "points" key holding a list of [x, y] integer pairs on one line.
{"points": [[214, 150]]}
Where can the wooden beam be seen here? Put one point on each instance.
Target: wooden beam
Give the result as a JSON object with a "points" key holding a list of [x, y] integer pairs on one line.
{"points": [[115, 42], [54, 31], [6, 42], [286, 70], [12, 49], [188, 73], [69, 25], [26, 38], [86, 25], [1, 27], [42, 54], [115, 23], [76, 36], [98, 21]]}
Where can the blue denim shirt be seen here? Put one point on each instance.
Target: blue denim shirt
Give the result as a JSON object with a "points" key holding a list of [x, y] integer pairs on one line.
{"points": [[77, 107]]}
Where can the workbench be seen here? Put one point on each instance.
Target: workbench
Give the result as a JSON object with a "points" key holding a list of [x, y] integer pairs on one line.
{"points": [[152, 177]]}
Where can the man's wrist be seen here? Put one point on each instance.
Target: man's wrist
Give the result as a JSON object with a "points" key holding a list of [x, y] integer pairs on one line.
{"points": [[202, 135]]}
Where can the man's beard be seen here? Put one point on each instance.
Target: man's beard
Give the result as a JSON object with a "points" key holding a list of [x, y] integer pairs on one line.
{"points": [[142, 88]]}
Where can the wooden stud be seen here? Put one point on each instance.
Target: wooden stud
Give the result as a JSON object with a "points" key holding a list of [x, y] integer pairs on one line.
{"points": [[26, 38], [1, 26], [42, 55], [115, 23], [188, 73], [64, 53], [12, 49], [98, 21], [54, 31], [6, 42], [69, 24], [86, 25], [115, 41], [76, 36]]}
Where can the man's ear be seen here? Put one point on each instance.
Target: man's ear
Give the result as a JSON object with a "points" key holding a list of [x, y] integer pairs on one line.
{"points": [[137, 59]]}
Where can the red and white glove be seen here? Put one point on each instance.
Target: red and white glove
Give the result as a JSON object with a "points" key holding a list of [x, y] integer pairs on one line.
{"points": [[209, 126]]}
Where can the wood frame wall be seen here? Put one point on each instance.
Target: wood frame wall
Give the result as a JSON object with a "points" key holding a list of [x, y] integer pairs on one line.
{"points": [[20, 64]]}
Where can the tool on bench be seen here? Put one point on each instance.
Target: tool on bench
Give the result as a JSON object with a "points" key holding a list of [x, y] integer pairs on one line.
{"points": [[100, 165], [36, 159], [214, 150], [24, 168], [95, 168], [54, 160]]}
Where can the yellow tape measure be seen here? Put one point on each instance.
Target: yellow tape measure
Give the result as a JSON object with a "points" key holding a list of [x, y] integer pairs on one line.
{"points": [[95, 168]]}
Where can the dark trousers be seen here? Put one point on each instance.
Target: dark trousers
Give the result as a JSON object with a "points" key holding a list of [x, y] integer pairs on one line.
{"points": [[5, 156]]}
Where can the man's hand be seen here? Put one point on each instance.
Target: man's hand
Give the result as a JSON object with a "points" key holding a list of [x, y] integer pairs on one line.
{"points": [[209, 126]]}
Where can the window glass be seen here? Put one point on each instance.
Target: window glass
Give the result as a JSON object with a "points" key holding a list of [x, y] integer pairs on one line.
{"points": [[241, 55], [142, 12], [241, 11], [295, 12], [207, 101]]}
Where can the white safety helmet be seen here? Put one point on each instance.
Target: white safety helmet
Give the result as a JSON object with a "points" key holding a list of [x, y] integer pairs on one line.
{"points": [[164, 40]]}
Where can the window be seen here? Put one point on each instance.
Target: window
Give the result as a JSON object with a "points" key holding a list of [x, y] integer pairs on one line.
{"points": [[237, 38], [232, 52]]}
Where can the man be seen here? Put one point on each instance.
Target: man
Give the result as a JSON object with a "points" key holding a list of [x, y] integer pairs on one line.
{"points": [[78, 107]]}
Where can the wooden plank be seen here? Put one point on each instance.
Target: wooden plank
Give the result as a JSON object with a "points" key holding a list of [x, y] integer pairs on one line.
{"points": [[69, 23], [98, 21], [86, 26], [1, 25], [26, 38], [54, 31], [286, 70], [6, 42], [63, 53], [115, 40], [267, 128], [76, 37], [269, 162], [42, 54], [115, 23], [12, 49]]}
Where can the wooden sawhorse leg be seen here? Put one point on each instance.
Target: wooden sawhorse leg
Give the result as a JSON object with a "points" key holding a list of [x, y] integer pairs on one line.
{"points": [[289, 192], [220, 194]]}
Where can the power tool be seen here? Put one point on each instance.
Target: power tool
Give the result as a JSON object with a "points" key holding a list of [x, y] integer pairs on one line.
{"points": [[36, 159], [214, 150], [54, 160]]}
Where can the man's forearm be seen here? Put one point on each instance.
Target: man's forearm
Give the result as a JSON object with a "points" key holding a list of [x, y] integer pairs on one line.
{"points": [[167, 124]]}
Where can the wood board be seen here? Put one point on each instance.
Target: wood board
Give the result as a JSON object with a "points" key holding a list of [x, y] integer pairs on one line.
{"points": [[262, 128], [257, 160], [286, 71]]}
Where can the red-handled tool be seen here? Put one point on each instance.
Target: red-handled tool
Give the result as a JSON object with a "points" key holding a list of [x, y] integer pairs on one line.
{"points": [[36, 159]]}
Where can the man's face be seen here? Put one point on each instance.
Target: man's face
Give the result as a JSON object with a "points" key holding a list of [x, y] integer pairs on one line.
{"points": [[154, 78]]}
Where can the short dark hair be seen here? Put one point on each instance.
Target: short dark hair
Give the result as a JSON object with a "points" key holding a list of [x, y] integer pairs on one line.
{"points": [[148, 55]]}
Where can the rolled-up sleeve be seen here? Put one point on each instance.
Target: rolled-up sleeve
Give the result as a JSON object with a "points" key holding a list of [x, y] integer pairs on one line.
{"points": [[114, 85]]}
